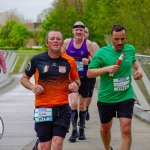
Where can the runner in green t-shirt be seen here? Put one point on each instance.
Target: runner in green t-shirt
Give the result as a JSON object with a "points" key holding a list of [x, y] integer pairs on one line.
{"points": [[115, 96]]}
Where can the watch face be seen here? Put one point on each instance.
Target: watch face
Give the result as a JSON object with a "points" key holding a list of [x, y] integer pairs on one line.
{"points": [[1, 127]]}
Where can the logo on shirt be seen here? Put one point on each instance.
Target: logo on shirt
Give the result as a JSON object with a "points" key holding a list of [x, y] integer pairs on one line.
{"points": [[72, 51], [62, 69], [82, 53], [54, 64], [127, 60], [45, 69]]}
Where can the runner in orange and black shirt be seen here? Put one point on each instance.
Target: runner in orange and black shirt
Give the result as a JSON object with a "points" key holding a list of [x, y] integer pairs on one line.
{"points": [[55, 75]]}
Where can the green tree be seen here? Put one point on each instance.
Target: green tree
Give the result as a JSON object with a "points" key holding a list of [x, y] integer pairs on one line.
{"points": [[90, 19], [5, 32], [137, 23], [62, 16], [19, 35], [43, 15], [99, 16]]}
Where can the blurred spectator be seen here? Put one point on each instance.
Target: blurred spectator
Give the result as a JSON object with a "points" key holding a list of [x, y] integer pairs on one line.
{"points": [[2, 62]]}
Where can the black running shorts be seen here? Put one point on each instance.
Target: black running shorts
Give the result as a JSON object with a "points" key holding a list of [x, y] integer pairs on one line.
{"points": [[121, 109], [92, 82], [84, 88], [58, 127]]}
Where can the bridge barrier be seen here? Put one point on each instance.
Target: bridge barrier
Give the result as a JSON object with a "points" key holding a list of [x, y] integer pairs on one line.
{"points": [[9, 58], [16, 63], [142, 87]]}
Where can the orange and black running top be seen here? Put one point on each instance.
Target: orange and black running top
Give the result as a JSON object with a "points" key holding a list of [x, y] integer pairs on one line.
{"points": [[54, 76]]}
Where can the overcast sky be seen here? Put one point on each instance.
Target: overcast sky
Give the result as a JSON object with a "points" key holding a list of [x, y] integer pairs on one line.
{"points": [[30, 9]]}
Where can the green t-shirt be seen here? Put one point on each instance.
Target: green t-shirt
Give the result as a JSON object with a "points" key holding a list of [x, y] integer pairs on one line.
{"points": [[118, 88]]}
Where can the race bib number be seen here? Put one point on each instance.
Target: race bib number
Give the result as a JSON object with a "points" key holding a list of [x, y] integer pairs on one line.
{"points": [[43, 114], [80, 65], [121, 84]]}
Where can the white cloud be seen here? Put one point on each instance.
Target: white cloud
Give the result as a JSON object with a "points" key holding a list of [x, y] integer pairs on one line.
{"points": [[30, 9]]}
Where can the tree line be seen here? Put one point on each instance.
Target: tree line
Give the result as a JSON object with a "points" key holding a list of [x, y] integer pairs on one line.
{"points": [[99, 16]]}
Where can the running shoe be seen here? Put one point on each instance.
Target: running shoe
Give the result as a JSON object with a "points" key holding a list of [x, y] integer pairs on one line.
{"points": [[73, 136], [81, 134]]}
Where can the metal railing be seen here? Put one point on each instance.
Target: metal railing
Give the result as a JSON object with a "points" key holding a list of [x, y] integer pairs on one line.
{"points": [[142, 87], [16, 63], [9, 58]]}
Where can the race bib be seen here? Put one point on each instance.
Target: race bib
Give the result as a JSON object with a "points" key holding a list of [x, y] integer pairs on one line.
{"points": [[43, 114], [80, 65], [121, 84]]}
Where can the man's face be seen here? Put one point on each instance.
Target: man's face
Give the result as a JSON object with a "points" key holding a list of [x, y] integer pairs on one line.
{"points": [[118, 40], [54, 41], [86, 33], [78, 33]]}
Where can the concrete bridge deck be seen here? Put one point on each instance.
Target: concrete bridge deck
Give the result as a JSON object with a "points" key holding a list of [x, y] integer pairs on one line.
{"points": [[16, 109]]}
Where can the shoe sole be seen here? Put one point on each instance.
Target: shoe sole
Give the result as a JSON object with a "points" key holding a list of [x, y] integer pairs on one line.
{"points": [[82, 138], [72, 141]]}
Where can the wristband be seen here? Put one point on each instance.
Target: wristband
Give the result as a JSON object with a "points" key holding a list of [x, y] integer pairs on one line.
{"points": [[77, 83]]}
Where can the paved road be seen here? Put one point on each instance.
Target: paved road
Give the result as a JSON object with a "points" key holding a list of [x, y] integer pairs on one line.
{"points": [[16, 109]]}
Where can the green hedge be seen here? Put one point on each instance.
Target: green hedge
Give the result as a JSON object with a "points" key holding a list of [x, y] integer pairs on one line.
{"points": [[9, 48]]}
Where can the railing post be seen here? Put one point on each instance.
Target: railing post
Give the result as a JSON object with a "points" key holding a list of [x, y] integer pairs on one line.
{"points": [[23, 64]]}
